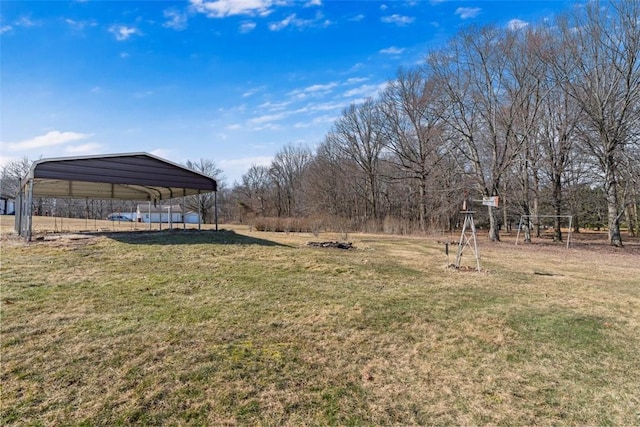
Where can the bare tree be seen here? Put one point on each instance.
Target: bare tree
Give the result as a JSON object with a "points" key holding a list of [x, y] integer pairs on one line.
{"points": [[287, 169], [483, 107], [526, 90], [358, 135], [413, 127], [330, 182], [550, 122], [597, 62], [630, 183], [254, 191], [12, 174], [11, 178], [205, 203]]}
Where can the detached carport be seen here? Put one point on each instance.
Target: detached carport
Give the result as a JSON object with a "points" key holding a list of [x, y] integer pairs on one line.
{"points": [[128, 176]]}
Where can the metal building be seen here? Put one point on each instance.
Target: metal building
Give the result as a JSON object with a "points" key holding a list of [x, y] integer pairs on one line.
{"points": [[127, 176]]}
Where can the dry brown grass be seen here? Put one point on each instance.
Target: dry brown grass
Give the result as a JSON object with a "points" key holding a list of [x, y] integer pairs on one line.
{"points": [[257, 328], [47, 225]]}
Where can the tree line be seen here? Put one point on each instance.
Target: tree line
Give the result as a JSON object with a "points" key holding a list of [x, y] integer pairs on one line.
{"points": [[546, 116]]}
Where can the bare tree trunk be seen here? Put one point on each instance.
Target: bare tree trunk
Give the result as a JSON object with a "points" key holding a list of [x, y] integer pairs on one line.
{"points": [[505, 216], [494, 235], [422, 207], [631, 219], [613, 214], [535, 212], [557, 204], [525, 203]]}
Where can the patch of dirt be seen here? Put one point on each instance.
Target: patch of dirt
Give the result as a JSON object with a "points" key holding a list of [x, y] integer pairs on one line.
{"points": [[71, 236]]}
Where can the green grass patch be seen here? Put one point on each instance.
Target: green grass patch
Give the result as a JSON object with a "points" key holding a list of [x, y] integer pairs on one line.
{"points": [[187, 328]]}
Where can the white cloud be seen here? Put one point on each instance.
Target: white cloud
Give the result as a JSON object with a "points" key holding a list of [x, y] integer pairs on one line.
{"points": [[365, 90], [311, 3], [320, 88], [50, 139], [357, 18], [268, 126], [324, 106], [516, 24], [25, 22], [468, 12], [84, 149], [80, 25], [175, 19], [293, 21], [392, 51], [317, 89], [289, 20], [252, 92], [235, 168], [234, 126], [5, 160], [354, 80], [122, 32], [269, 118], [224, 8], [398, 19], [320, 120], [162, 153], [259, 161], [274, 106], [247, 27]]}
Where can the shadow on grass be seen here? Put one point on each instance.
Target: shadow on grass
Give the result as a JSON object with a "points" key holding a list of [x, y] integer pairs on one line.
{"points": [[188, 237]]}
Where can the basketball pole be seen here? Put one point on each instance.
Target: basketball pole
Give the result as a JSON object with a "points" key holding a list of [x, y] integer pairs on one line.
{"points": [[469, 226], [468, 241]]}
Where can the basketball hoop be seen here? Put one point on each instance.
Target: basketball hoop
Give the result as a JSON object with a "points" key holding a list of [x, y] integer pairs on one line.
{"points": [[491, 201]]}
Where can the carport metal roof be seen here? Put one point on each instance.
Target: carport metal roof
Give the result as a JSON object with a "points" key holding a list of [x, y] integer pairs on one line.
{"points": [[127, 176]]}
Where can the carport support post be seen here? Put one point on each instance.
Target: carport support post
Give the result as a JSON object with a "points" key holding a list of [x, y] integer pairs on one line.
{"points": [[149, 215], [19, 211], [29, 210], [199, 212], [215, 207], [184, 208]]}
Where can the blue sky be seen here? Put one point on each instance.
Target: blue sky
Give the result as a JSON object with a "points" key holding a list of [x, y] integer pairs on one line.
{"points": [[232, 81]]}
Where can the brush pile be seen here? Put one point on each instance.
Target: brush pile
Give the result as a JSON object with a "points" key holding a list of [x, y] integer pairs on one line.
{"points": [[337, 245]]}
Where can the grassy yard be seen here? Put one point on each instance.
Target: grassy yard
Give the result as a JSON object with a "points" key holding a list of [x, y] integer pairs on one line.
{"points": [[241, 327]]}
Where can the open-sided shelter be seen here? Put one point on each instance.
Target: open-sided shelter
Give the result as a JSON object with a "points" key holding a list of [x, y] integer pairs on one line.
{"points": [[127, 176]]}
